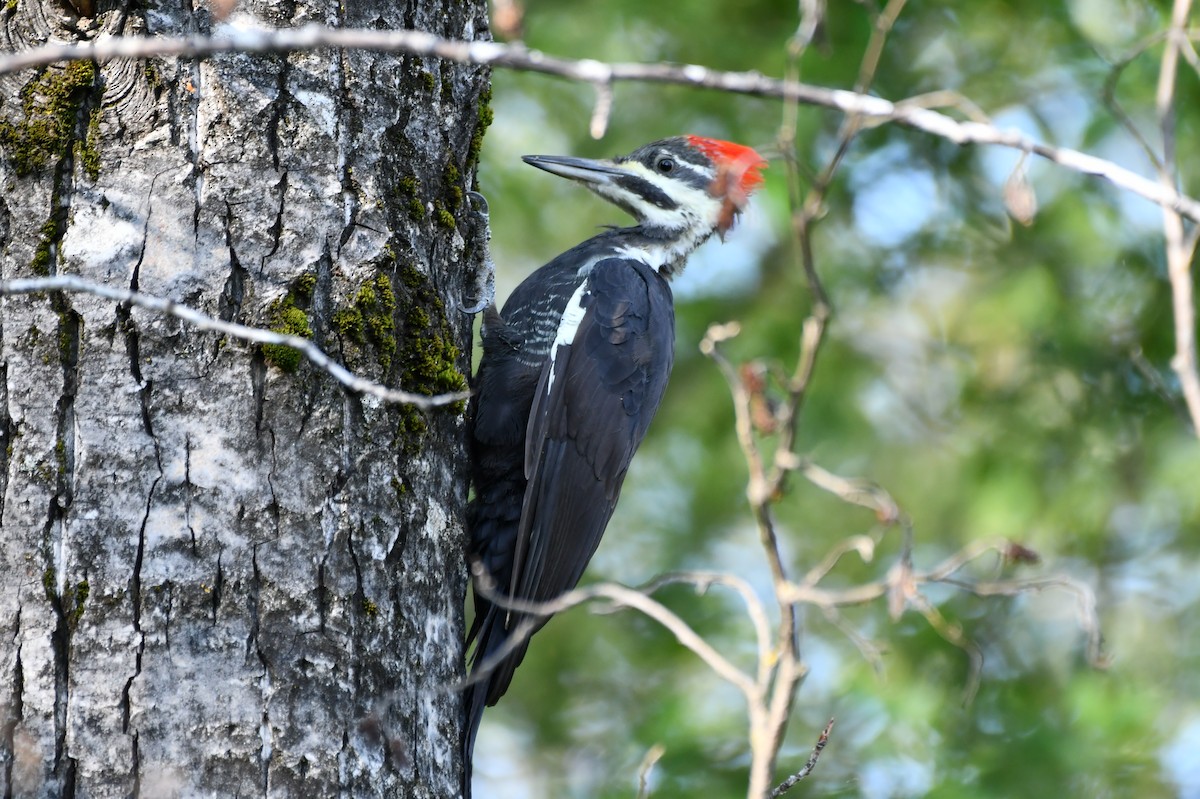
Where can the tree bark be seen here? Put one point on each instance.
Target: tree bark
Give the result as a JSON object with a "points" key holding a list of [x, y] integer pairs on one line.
{"points": [[222, 574]]}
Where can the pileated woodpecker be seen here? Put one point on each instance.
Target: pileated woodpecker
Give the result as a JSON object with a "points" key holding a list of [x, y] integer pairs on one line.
{"points": [[573, 369]]}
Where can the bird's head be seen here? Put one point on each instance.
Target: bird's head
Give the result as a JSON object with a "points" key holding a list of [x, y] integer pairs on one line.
{"points": [[682, 185]]}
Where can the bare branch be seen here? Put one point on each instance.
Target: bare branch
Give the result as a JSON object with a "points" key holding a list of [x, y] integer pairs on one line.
{"points": [[601, 111], [1085, 604], [517, 636], [791, 781], [968, 554], [754, 607], [351, 381], [864, 546], [1109, 94], [902, 584], [630, 598], [653, 755], [953, 634], [1180, 250], [870, 651], [852, 491], [518, 57]]}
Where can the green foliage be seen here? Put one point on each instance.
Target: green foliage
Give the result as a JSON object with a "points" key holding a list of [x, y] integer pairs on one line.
{"points": [[997, 380]]}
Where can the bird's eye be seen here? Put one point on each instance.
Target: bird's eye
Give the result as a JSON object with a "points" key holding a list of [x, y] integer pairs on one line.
{"points": [[665, 165]]}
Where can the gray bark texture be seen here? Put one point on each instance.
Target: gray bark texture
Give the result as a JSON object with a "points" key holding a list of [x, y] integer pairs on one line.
{"points": [[221, 575]]}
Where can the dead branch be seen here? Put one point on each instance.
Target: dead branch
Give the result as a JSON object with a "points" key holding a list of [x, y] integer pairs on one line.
{"points": [[791, 781], [636, 598], [350, 381], [1180, 248], [518, 57]]}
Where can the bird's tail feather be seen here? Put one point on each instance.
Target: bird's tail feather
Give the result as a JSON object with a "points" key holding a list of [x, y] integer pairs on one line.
{"points": [[492, 641]]}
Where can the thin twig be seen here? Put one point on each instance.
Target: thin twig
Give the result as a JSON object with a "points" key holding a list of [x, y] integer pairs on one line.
{"points": [[791, 781], [653, 755], [518, 57], [1179, 254], [902, 584], [351, 381], [754, 607], [863, 545], [630, 598], [852, 491], [1109, 94]]}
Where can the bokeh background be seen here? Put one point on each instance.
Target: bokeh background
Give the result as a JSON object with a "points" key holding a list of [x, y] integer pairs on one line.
{"points": [[998, 380]]}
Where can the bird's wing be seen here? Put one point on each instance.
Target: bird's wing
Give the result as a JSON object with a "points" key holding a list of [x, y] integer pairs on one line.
{"points": [[601, 386]]}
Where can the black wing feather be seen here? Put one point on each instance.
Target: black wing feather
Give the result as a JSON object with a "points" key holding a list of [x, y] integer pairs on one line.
{"points": [[586, 424]]}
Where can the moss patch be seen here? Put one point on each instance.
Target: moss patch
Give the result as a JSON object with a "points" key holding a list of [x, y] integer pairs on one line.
{"points": [[443, 217], [41, 255], [51, 105], [486, 116], [454, 192], [408, 189], [286, 315], [89, 149], [369, 324], [429, 358], [81, 591]]}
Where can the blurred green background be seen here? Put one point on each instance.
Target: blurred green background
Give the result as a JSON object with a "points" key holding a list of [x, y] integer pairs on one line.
{"points": [[997, 380]]}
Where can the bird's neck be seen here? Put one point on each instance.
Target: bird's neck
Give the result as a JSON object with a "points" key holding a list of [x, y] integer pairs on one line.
{"points": [[663, 250]]}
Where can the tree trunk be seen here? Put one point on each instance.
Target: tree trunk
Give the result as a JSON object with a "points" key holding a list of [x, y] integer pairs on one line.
{"points": [[223, 575]]}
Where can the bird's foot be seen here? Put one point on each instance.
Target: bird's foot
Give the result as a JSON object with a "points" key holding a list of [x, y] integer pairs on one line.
{"points": [[480, 238]]}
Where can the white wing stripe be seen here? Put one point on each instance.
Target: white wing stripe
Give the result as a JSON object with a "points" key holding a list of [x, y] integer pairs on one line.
{"points": [[567, 328]]}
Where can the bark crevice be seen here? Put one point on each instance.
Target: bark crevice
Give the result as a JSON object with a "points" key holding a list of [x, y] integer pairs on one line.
{"points": [[279, 107], [8, 430], [187, 493], [217, 588], [16, 710], [233, 293], [276, 228]]}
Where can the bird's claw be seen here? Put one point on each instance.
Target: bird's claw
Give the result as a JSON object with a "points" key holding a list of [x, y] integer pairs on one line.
{"points": [[485, 278], [471, 310], [476, 197]]}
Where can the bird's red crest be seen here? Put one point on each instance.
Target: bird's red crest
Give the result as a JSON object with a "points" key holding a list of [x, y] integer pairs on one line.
{"points": [[739, 163], [738, 174]]}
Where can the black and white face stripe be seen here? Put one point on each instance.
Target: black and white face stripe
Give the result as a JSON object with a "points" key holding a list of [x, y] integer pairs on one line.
{"points": [[675, 159], [667, 186], [643, 189]]}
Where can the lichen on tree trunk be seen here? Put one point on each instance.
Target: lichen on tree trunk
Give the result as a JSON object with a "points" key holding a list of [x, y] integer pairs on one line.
{"points": [[224, 575]]}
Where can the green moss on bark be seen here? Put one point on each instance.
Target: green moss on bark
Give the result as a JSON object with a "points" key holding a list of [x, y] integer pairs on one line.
{"points": [[287, 316], [49, 236], [368, 325], [429, 356], [51, 105], [484, 121]]}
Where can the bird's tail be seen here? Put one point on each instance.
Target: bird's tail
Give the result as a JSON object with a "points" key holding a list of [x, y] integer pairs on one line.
{"points": [[493, 662]]}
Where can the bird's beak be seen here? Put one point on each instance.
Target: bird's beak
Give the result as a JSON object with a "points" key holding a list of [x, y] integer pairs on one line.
{"points": [[585, 170]]}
